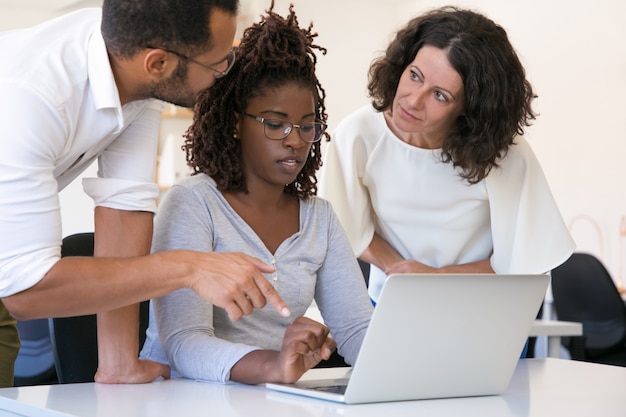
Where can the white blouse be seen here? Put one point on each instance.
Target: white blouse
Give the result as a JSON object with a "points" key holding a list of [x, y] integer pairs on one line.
{"points": [[427, 212]]}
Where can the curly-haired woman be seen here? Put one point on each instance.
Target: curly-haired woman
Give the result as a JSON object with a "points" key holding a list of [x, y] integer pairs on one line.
{"points": [[434, 176]]}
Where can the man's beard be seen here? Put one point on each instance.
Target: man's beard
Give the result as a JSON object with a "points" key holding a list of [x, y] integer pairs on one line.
{"points": [[175, 89]]}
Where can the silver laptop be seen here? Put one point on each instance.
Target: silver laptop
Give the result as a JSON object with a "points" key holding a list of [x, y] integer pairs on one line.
{"points": [[438, 336]]}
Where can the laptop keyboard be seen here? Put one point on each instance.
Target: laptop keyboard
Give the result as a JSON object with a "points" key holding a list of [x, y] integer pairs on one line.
{"points": [[337, 389]]}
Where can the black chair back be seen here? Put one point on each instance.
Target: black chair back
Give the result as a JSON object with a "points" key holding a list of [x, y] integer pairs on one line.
{"points": [[584, 291], [75, 339]]}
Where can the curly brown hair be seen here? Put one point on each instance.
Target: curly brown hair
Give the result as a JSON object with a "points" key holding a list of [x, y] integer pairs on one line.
{"points": [[497, 95], [272, 53]]}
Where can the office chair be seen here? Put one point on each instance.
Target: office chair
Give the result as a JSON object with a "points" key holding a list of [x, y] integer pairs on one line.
{"points": [[584, 291], [75, 339], [365, 269]]}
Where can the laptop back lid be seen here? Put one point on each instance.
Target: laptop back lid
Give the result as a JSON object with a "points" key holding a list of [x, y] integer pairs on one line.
{"points": [[445, 335]]}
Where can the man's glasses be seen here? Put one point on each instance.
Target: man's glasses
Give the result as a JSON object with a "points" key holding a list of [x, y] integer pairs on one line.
{"points": [[277, 129], [230, 61]]}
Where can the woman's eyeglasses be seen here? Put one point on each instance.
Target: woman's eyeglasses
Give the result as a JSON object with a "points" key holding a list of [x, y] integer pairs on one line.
{"points": [[277, 129]]}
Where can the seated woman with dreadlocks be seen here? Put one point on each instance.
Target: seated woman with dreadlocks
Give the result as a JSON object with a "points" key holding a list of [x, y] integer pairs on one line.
{"points": [[254, 146]]}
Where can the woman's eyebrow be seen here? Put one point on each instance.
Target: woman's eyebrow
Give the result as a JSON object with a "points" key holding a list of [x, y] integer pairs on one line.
{"points": [[282, 114], [423, 77]]}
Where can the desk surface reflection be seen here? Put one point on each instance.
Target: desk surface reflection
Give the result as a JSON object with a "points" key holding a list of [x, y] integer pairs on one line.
{"points": [[540, 387]]}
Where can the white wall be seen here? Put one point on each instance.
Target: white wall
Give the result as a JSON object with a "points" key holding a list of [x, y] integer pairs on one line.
{"points": [[575, 59], [12, 17]]}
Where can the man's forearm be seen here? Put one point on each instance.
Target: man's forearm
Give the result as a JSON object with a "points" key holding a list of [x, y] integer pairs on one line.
{"points": [[119, 274], [87, 285], [120, 234], [76, 286]]}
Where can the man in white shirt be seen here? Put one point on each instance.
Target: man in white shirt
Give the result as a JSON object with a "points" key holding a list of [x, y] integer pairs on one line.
{"points": [[81, 87]]}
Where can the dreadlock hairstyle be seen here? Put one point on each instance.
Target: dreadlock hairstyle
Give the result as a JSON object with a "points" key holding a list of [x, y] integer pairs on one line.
{"points": [[272, 53]]}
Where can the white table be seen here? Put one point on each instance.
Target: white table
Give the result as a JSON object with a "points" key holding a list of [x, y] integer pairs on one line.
{"points": [[554, 330], [539, 387]]}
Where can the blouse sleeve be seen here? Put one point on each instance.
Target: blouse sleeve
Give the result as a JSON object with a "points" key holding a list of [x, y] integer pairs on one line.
{"points": [[341, 183], [529, 234]]}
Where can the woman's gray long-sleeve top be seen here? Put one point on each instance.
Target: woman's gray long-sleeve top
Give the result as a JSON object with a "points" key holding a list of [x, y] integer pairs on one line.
{"points": [[199, 340]]}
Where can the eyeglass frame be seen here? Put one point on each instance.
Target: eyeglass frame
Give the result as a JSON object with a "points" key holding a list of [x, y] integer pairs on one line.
{"points": [[231, 55], [262, 120]]}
